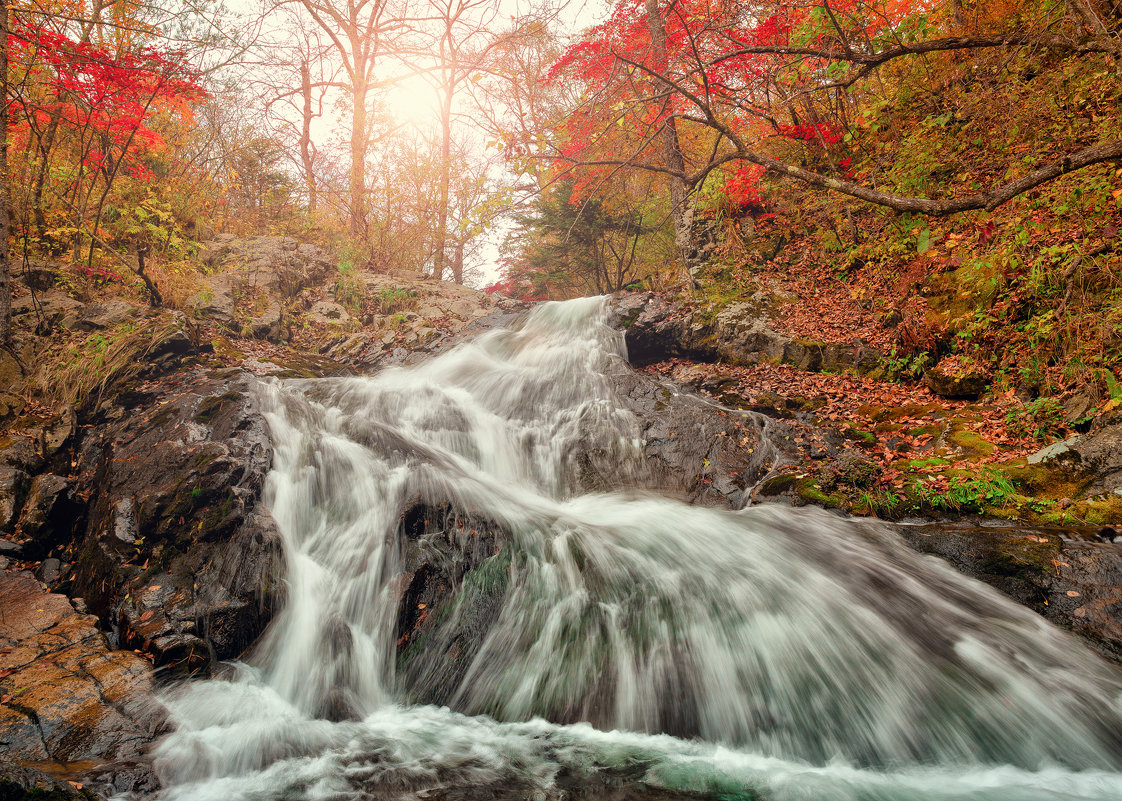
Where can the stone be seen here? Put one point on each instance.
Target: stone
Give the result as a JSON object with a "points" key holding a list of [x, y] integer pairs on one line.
{"points": [[267, 322], [40, 276], [22, 452], [11, 372], [18, 782], [10, 405], [950, 382], [326, 312], [49, 515], [1100, 453], [50, 571], [58, 432], [14, 485], [56, 309], [67, 697], [1056, 451], [175, 484], [109, 314], [216, 298]]}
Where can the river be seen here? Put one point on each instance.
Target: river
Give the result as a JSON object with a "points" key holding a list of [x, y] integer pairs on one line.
{"points": [[680, 651]]}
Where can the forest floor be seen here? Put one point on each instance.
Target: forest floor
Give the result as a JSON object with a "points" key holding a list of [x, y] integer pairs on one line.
{"points": [[920, 453]]}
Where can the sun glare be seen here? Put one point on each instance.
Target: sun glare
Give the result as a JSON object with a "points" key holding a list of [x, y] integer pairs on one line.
{"points": [[413, 101]]}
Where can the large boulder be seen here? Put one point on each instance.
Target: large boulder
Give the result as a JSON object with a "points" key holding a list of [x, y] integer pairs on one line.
{"points": [[177, 557], [656, 328], [1096, 455], [65, 697], [953, 379], [49, 515]]}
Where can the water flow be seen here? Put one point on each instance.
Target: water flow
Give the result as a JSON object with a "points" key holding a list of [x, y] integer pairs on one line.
{"points": [[806, 656]]}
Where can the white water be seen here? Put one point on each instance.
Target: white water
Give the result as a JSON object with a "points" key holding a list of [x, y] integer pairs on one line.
{"points": [[805, 657]]}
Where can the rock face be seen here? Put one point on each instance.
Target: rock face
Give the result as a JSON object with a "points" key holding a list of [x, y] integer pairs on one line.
{"points": [[657, 329], [1070, 577], [65, 697], [176, 556], [1096, 455], [278, 266]]}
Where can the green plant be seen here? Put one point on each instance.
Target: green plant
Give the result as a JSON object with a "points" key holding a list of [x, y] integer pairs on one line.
{"points": [[390, 299], [349, 288], [973, 494], [1040, 419], [901, 366]]}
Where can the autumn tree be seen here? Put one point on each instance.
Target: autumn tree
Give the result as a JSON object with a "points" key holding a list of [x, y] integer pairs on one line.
{"points": [[86, 113], [361, 33], [5, 268], [730, 79]]}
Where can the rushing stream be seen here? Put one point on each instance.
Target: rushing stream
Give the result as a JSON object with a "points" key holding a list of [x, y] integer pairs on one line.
{"points": [[769, 653]]}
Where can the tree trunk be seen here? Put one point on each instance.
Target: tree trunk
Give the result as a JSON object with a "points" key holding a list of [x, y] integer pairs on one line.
{"points": [[680, 214], [5, 267], [445, 178], [458, 264], [358, 158], [306, 136]]}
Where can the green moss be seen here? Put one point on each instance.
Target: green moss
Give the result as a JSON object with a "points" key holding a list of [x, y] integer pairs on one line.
{"points": [[211, 407], [809, 491], [970, 442], [854, 433], [492, 576], [777, 485]]}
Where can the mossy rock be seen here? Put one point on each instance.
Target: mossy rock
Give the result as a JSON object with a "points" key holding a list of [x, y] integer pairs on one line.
{"points": [[808, 490], [970, 442], [777, 485]]}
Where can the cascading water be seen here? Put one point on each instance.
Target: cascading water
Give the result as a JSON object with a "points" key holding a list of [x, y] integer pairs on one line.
{"points": [[794, 654]]}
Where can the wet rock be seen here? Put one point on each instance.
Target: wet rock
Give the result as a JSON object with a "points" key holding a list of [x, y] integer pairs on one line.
{"points": [[50, 571], [49, 515], [65, 697], [14, 486], [176, 556], [656, 328], [1072, 578], [19, 783], [696, 450]]}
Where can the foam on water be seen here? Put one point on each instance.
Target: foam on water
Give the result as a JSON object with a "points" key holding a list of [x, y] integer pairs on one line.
{"points": [[796, 655]]}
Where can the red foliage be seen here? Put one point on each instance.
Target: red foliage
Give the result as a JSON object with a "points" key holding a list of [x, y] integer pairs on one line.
{"points": [[743, 188], [820, 132], [106, 99]]}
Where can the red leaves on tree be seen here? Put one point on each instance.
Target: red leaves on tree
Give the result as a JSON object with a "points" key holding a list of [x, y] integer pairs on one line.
{"points": [[104, 97], [743, 188], [821, 132]]}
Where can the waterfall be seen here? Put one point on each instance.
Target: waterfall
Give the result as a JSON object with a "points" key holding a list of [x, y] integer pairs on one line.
{"points": [[607, 644]]}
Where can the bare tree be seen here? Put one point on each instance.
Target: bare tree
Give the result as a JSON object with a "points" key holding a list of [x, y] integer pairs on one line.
{"points": [[361, 33], [463, 47], [5, 268]]}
